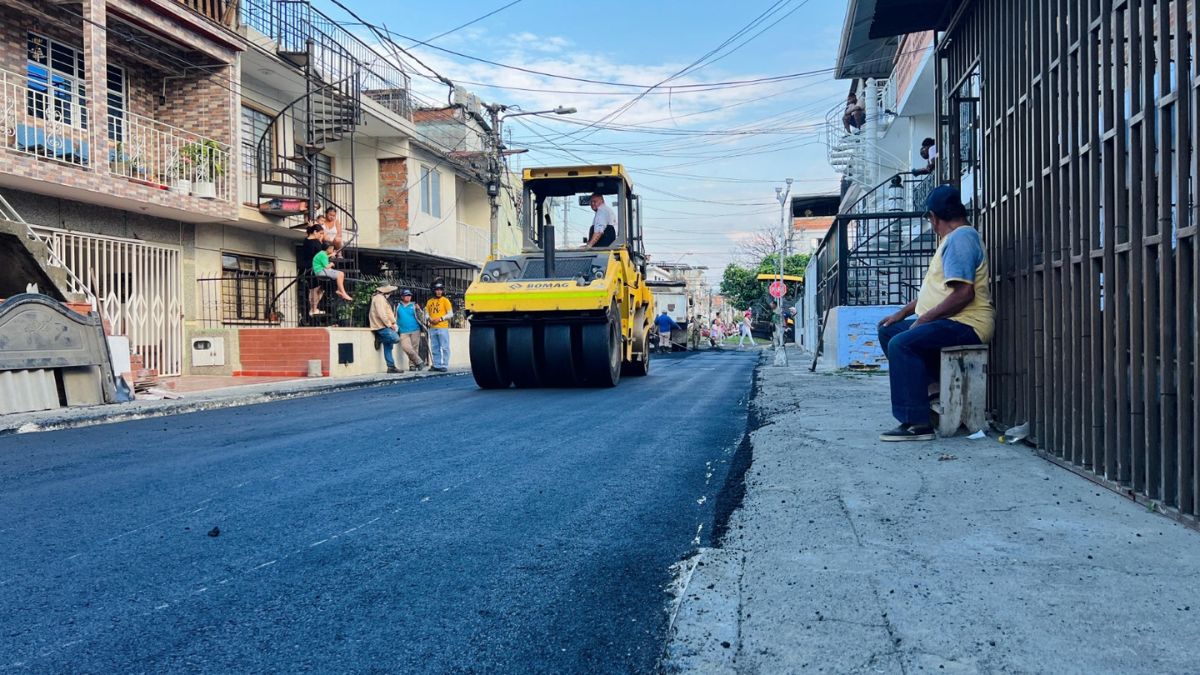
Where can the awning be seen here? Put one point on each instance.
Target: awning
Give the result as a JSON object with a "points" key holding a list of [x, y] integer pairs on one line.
{"points": [[858, 55], [871, 34], [418, 258], [900, 17]]}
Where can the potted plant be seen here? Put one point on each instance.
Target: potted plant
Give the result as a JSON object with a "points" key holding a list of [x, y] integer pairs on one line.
{"points": [[181, 175], [205, 159]]}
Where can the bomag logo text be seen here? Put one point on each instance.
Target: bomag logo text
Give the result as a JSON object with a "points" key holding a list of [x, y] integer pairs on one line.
{"points": [[542, 285]]}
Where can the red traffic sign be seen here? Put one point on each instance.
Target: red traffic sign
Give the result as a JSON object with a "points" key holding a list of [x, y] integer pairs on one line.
{"points": [[778, 289]]}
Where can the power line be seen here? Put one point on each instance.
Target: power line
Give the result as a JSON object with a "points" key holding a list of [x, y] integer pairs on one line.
{"points": [[621, 110], [462, 26]]}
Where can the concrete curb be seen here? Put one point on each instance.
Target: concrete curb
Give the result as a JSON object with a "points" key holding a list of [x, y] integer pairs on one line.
{"points": [[249, 394]]}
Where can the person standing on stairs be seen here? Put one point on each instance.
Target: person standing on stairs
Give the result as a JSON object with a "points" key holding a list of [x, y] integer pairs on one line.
{"points": [[313, 245]]}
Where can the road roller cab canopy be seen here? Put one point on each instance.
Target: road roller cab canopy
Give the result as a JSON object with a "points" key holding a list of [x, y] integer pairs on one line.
{"points": [[562, 195]]}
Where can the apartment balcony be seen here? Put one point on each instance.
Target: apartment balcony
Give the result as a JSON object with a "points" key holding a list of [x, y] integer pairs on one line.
{"points": [[472, 245], [52, 146]]}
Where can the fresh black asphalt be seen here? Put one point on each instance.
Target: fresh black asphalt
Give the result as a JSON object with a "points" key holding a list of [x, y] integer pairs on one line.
{"points": [[423, 527]]}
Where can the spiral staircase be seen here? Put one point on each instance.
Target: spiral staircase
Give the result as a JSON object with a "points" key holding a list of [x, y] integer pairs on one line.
{"points": [[291, 178]]}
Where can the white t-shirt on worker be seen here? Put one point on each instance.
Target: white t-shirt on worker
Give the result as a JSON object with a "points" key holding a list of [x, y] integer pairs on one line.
{"points": [[604, 217]]}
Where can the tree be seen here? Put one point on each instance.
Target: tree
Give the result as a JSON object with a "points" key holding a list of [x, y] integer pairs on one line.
{"points": [[739, 286], [758, 246]]}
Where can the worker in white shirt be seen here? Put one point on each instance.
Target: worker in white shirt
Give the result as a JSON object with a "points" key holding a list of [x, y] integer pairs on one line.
{"points": [[604, 224]]}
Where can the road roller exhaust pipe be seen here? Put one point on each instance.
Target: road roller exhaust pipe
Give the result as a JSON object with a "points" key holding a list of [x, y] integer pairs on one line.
{"points": [[548, 249]]}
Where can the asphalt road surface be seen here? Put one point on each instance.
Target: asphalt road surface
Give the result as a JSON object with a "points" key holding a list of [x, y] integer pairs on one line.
{"points": [[427, 526]]}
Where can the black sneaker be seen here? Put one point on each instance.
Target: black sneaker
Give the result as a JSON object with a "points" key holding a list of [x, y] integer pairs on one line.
{"points": [[909, 432], [393, 369]]}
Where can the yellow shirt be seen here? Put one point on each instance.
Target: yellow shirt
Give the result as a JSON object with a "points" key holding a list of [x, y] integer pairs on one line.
{"points": [[966, 250], [438, 310]]}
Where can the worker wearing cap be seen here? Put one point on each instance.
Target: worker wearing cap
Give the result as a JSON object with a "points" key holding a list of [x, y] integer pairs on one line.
{"points": [[953, 307], [409, 317], [665, 325], [440, 310], [383, 322]]}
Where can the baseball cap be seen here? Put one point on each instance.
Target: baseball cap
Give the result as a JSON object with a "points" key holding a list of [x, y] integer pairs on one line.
{"points": [[406, 292], [945, 201]]}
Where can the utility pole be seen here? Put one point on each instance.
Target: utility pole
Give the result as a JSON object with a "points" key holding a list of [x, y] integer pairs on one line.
{"points": [[495, 162], [781, 327], [495, 152]]}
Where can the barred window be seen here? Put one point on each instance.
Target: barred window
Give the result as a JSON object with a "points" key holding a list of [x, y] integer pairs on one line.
{"points": [[247, 288]]}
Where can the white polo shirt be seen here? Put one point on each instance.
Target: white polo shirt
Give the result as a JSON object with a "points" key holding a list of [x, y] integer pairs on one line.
{"points": [[604, 217]]}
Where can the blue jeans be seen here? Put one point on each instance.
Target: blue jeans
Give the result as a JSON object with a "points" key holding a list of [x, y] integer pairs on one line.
{"points": [[914, 359], [388, 337], [439, 346]]}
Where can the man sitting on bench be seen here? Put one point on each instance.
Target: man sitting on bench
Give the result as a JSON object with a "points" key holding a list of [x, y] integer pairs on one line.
{"points": [[953, 307]]}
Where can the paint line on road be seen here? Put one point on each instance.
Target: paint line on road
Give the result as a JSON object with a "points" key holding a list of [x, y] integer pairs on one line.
{"points": [[266, 564], [202, 590], [696, 539], [350, 530], [317, 543], [163, 606], [423, 500]]}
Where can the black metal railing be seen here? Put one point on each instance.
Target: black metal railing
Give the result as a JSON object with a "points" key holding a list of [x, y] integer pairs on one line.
{"points": [[291, 23], [876, 253], [902, 192], [291, 301]]}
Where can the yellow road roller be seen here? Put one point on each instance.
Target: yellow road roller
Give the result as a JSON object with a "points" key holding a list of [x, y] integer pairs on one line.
{"points": [[562, 316]]}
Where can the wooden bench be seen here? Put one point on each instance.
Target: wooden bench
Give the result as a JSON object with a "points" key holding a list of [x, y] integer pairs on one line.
{"points": [[963, 390]]}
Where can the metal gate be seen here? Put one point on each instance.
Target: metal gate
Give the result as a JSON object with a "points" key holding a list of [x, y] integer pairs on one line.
{"points": [[137, 286], [1075, 125]]}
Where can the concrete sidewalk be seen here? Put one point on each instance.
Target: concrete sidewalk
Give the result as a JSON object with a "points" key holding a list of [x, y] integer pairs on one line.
{"points": [[852, 555], [210, 399]]}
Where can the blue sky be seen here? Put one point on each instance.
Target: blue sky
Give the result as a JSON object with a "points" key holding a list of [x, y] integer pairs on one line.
{"points": [[705, 160]]}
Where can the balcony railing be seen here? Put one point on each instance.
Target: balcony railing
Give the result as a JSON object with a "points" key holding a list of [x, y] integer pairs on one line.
{"points": [[473, 243], [55, 126], [293, 23], [224, 12], [49, 125], [151, 152]]}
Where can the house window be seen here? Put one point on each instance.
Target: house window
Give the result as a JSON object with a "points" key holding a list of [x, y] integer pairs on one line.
{"points": [[431, 191], [116, 103], [254, 125], [247, 288], [55, 82], [56, 89]]}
